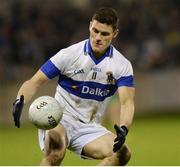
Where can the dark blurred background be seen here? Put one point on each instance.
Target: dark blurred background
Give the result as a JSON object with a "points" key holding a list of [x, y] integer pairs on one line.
{"points": [[33, 31]]}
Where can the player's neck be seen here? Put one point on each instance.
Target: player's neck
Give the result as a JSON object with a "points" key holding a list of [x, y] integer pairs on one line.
{"points": [[98, 55]]}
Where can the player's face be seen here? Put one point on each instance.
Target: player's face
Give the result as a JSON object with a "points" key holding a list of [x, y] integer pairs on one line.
{"points": [[101, 36]]}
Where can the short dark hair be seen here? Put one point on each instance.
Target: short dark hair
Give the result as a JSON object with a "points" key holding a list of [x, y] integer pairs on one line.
{"points": [[107, 16]]}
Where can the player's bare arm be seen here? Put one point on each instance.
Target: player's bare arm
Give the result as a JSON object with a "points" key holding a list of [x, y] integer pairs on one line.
{"points": [[25, 93], [30, 87], [126, 97]]}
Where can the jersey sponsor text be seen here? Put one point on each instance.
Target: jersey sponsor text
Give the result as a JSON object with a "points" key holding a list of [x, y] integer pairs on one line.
{"points": [[95, 91]]}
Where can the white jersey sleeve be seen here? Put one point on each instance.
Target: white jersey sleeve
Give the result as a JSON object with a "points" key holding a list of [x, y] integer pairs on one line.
{"points": [[55, 65]]}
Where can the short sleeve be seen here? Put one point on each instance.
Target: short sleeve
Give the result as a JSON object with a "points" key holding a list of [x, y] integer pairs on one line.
{"points": [[49, 69], [127, 77]]}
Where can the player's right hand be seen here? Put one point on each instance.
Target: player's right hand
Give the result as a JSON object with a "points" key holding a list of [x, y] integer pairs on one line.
{"points": [[17, 110]]}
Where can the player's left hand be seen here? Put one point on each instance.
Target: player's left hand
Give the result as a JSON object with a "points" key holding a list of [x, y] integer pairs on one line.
{"points": [[17, 110], [121, 137]]}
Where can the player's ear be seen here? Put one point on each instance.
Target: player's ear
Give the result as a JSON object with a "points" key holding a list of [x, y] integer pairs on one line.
{"points": [[116, 32]]}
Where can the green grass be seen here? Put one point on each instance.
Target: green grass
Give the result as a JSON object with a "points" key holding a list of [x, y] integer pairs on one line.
{"points": [[153, 139]]}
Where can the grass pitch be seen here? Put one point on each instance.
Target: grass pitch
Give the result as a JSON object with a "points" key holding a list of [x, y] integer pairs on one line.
{"points": [[153, 139]]}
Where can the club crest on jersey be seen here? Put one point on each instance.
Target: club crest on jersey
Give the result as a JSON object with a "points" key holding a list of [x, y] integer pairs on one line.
{"points": [[110, 78]]}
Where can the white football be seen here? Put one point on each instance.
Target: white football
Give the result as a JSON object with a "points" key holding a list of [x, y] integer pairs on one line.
{"points": [[45, 112]]}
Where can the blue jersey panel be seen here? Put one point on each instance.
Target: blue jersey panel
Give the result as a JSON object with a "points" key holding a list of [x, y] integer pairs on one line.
{"points": [[87, 89], [50, 69], [126, 81]]}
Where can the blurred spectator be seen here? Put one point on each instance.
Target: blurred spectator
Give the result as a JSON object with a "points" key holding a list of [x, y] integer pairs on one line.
{"points": [[153, 55], [5, 46]]}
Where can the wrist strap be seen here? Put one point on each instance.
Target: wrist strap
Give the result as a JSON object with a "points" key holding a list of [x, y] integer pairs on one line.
{"points": [[125, 129]]}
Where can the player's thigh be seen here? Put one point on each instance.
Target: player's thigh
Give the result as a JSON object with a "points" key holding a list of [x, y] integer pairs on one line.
{"points": [[101, 147]]}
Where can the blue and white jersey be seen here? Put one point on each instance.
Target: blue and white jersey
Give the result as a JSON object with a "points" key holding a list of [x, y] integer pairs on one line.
{"points": [[85, 84]]}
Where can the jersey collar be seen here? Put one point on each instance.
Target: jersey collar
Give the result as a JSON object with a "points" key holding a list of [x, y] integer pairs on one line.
{"points": [[88, 50]]}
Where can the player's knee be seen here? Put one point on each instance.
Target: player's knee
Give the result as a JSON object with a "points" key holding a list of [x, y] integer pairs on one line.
{"points": [[124, 155], [55, 141]]}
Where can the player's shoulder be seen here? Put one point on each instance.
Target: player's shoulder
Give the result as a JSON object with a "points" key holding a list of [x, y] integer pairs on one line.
{"points": [[122, 66], [119, 57], [74, 50]]}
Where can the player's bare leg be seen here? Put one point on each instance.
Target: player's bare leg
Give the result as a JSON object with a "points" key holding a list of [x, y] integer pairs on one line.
{"points": [[102, 148], [55, 146], [120, 158]]}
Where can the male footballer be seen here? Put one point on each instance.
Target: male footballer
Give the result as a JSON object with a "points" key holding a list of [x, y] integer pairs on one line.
{"points": [[89, 72]]}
